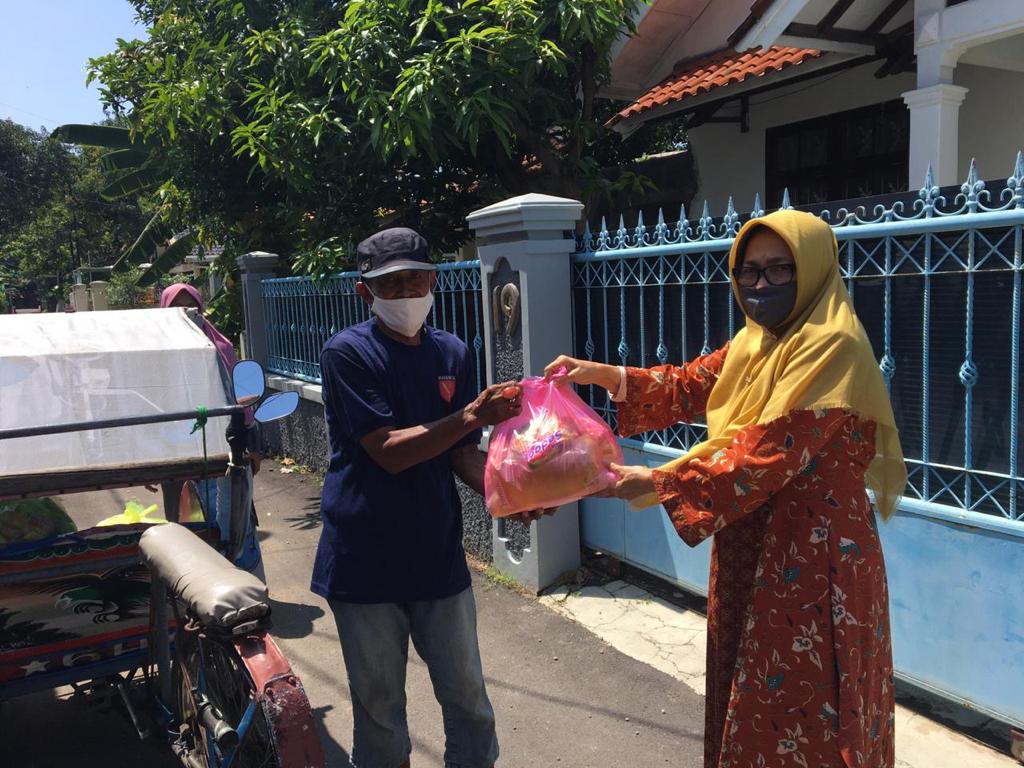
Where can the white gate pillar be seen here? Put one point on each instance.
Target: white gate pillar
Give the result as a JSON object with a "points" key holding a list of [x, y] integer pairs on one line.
{"points": [[525, 246]]}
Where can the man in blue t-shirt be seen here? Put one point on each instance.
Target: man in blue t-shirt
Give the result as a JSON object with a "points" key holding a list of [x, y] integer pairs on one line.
{"points": [[404, 418]]}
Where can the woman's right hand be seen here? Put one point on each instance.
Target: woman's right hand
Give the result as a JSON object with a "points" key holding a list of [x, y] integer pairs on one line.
{"points": [[584, 372]]}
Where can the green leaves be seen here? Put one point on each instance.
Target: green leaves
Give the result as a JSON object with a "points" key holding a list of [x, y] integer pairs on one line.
{"points": [[109, 136], [123, 159], [153, 236], [281, 125], [171, 257], [135, 182], [60, 222]]}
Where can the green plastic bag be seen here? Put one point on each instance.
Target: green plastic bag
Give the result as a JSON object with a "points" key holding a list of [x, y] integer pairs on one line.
{"points": [[32, 520]]}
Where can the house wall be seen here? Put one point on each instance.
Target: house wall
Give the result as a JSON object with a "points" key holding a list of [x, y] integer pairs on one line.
{"points": [[732, 163], [991, 119]]}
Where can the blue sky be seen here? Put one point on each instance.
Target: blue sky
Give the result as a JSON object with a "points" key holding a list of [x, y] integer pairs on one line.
{"points": [[44, 47]]}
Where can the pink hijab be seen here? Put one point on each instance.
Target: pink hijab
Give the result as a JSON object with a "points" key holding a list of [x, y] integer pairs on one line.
{"points": [[224, 347]]}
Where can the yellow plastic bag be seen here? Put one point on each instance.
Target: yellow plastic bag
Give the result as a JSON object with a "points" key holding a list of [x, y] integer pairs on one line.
{"points": [[134, 513]]}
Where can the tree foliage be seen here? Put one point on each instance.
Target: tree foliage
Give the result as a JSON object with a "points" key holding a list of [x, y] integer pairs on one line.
{"points": [[54, 218], [286, 124]]}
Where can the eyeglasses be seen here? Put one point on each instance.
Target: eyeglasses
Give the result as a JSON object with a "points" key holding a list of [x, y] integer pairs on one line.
{"points": [[775, 274]]}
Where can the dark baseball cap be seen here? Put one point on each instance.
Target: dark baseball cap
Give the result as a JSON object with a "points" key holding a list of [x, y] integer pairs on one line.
{"points": [[393, 250]]}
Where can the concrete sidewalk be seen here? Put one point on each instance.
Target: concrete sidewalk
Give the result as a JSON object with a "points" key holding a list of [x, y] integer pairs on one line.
{"points": [[674, 640]]}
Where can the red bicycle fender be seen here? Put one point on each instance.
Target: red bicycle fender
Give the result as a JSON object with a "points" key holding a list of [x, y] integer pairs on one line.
{"points": [[284, 700]]}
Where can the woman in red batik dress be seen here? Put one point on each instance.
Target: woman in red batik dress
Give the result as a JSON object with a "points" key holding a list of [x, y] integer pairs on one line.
{"points": [[799, 662]]}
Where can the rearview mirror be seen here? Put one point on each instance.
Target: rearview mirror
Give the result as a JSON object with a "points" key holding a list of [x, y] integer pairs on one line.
{"points": [[248, 382], [277, 406]]}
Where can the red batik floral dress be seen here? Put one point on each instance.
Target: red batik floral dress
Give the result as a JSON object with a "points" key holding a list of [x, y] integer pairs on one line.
{"points": [[799, 661]]}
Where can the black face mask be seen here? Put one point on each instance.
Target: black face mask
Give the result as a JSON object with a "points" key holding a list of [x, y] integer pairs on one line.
{"points": [[770, 305]]}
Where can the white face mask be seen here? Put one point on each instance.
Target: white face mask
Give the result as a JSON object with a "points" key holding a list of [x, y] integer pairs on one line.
{"points": [[404, 316]]}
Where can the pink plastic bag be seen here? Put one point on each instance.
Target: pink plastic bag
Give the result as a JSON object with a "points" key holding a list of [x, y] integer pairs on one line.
{"points": [[557, 450]]}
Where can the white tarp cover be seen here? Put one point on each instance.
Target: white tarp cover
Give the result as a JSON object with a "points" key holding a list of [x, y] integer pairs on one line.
{"points": [[57, 368]]}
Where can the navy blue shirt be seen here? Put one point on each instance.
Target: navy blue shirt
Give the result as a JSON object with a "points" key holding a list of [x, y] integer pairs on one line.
{"points": [[390, 538]]}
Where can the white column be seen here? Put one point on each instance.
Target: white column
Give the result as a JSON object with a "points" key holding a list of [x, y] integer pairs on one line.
{"points": [[80, 297], [535, 235], [98, 292], [934, 131]]}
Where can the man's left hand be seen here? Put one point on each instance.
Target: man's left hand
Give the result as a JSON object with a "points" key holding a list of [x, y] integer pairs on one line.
{"points": [[528, 517]]}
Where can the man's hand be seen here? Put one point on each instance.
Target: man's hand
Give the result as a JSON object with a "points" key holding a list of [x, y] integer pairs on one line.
{"points": [[585, 372], [495, 404], [528, 517]]}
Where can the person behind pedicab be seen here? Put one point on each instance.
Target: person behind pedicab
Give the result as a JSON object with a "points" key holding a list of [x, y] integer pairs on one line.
{"points": [[215, 494], [799, 658]]}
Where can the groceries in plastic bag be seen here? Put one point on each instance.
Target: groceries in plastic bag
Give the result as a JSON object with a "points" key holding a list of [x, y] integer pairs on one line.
{"points": [[32, 520], [557, 450]]}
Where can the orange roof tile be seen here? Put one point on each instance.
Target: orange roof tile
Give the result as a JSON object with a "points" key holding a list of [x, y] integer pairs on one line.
{"points": [[715, 70]]}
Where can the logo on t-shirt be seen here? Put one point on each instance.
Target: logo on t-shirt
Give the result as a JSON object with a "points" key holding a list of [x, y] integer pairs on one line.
{"points": [[446, 386]]}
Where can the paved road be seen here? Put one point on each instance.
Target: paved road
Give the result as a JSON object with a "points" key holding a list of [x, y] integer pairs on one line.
{"points": [[562, 697]]}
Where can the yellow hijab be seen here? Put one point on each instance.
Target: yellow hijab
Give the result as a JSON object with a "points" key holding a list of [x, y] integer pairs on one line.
{"points": [[822, 360]]}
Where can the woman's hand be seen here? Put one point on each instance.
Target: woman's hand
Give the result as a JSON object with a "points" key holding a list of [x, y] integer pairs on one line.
{"points": [[585, 372], [630, 482]]}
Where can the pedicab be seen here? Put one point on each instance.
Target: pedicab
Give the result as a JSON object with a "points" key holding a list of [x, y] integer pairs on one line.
{"points": [[119, 399]]}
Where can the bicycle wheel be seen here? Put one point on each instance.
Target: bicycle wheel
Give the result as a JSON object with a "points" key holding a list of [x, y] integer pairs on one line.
{"points": [[229, 688], [190, 744]]}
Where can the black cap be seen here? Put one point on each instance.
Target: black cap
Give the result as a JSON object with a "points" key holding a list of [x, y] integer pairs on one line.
{"points": [[392, 250]]}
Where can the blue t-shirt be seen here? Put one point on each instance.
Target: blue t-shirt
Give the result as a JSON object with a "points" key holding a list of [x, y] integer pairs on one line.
{"points": [[390, 538]]}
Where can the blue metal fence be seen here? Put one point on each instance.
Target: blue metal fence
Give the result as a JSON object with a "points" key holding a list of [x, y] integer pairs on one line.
{"points": [[936, 283], [302, 313]]}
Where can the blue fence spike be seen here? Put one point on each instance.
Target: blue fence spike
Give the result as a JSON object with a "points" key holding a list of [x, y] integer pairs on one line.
{"points": [[758, 211], [972, 172], [928, 194], [588, 239], [640, 238], [973, 190], [731, 222], [680, 233], [660, 229], [1015, 184], [602, 236], [704, 227], [785, 199], [622, 235]]}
